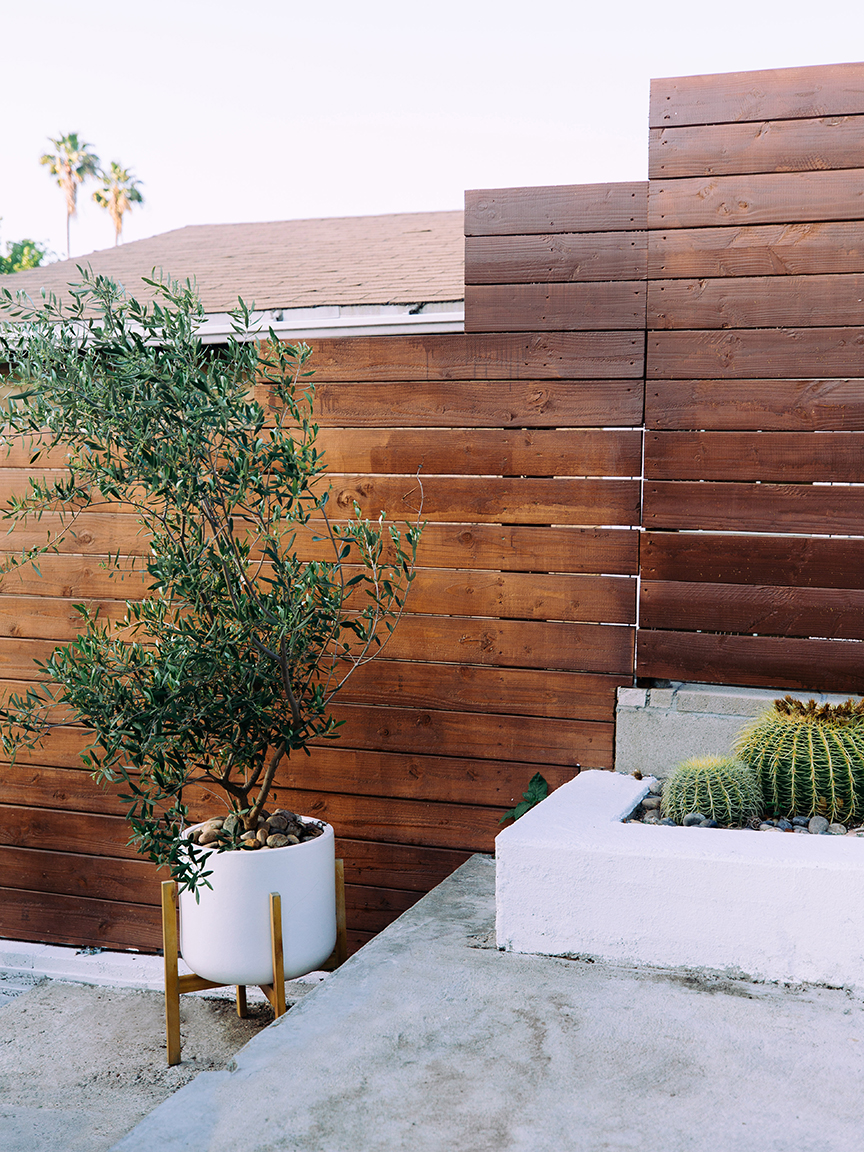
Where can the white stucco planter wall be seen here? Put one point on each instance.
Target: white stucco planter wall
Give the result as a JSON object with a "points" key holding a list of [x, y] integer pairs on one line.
{"points": [[572, 879]]}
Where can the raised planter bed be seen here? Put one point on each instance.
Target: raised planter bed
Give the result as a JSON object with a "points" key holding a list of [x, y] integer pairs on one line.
{"points": [[572, 879]]}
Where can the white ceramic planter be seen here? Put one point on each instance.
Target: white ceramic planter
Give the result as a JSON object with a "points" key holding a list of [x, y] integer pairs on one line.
{"points": [[225, 935]]}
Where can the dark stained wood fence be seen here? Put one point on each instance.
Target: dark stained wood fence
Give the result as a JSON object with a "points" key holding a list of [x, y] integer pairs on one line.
{"points": [[751, 561], [746, 247]]}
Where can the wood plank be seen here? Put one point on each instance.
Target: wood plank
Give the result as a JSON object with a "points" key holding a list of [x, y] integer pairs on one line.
{"points": [[788, 353], [68, 789], [82, 922], [768, 610], [468, 688], [72, 577], [814, 144], [584, 307], [70, 874], [777, 405], [764, 198], [502, 643], [550, 258], [817, 562], [718, 507], [520, 356], [490, 499], [397, 865], [530, 403], [757, 302], [778, 457], [42, 617], [61, 749], [769, 94], [757, 661], [832, 246], [483, 451], [475, 735], [499, 547], [466, 827], [94, 534], [63, 831], [518, 595], [564, 208], [376, 908], [440, 779]]}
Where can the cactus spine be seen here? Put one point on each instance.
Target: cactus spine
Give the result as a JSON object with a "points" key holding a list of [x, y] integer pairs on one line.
{"points": [[720, 787], [809, 758]]}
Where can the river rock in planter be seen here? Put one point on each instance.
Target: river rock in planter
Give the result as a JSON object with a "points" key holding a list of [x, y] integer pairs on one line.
{"points": [[693, 818], [817, 825]]}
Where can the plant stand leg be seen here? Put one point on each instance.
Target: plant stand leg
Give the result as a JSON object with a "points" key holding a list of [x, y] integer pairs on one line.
{"points": [[242, 1010], [172, 981], [341, 950], [275, 992]]}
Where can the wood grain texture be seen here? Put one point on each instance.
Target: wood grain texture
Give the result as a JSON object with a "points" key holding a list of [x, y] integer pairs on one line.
{"points": [[833, 246], [469, 499], [757, 302], [65, 831], [769, 94], [469, 688], [550, 258], [764, 609], [505, 356], [757, 661], [397, 865], [532, 403], [814, 562], [483, 451], [754, 507], [564, 208], [776, 457], [815, 144], [766, 198], [443, 779], [41, 916], [783, 354], [71, 874], [583, 307], [775, 405], [475, 735]]}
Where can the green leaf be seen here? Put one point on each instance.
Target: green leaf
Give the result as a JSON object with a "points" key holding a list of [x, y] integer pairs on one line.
{"points": [[538, 789]]}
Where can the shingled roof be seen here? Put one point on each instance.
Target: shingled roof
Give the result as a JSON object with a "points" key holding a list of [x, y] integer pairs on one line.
{"points": [[348, 270]]}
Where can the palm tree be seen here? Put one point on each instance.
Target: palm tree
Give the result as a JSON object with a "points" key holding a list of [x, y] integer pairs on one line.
{"points": [[72, 164], [118, 193]]}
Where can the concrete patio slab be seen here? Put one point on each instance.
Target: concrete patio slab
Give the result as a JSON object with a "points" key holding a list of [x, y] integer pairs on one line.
{"points": [[430, 1039]]}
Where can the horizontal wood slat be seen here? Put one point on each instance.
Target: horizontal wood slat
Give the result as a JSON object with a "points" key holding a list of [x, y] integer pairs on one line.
{"points": [[490, 499], [40, 916], [815, 144], [767, 610], [88, 877], [530, 403], [832, 246], [475, 735], [757, 302], [780, 353], [780, 405], [412, 868], [814, 562], [468, 688], [773, 93], [565, 208], [549, 258], [779, 457], [495, 546], [88, 834], [483, 451], [765, 198], [521, 356], [722, 507], [443, 779], [594, 307], [758, 661]]}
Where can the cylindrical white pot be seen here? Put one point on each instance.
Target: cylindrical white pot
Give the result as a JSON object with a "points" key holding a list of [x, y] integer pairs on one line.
{"points": [[225, 935]]}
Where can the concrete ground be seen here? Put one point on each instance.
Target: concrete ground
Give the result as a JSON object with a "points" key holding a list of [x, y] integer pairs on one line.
{"points": [[431, 1040]]}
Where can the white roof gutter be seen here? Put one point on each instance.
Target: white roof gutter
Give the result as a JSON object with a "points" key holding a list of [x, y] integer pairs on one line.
{"points": [[344, 320]]}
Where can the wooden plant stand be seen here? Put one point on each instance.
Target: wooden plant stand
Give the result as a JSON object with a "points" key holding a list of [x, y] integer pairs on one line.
{"points": [[176, 985]]}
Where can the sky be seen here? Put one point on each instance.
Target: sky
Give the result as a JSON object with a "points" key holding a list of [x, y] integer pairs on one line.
{"points": [[273, 111]]}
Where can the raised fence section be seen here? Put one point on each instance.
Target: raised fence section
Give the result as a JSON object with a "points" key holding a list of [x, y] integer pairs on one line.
{"points": [[527, 434], [753, 563]]}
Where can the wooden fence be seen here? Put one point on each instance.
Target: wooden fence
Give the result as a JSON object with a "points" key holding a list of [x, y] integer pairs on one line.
{"points": [[746, 249]]}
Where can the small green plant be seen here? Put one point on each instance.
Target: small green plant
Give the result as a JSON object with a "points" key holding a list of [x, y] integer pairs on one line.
{"points": [[538, 789], [809, 758], [722, 788]]}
